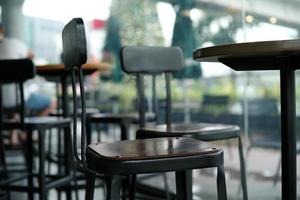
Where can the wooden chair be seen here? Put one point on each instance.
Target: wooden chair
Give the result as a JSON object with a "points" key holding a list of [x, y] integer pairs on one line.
{"points": [[141, 61], [18, 71], [134, 156]]}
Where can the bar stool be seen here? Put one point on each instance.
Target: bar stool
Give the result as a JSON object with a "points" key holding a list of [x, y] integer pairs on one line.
{"points": [[140, 61], [18, 71], [134, 156]]}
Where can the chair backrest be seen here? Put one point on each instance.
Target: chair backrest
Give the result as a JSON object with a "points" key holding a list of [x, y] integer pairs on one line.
{"points": [[74, 44], [141, 60], [215, 104], [264, 120], [16, 71], [74, 56], [151, 60]]}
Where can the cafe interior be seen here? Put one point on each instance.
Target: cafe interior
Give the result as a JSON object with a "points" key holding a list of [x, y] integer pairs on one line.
{"points": [[149, 99]]}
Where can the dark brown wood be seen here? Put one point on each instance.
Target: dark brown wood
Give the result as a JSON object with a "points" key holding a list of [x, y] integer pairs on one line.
{"points": [[152, 148], [267, 55], [59, 69]]}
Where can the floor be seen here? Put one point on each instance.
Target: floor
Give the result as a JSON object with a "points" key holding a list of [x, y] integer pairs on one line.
{"points": [[261, 168]]}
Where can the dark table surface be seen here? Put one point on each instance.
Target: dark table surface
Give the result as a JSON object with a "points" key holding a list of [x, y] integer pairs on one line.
{"points": [[266, 55], [59, 69]]}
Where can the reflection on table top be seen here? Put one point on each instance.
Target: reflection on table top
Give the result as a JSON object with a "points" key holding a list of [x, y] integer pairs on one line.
{"points": [[59, 69], [266, 55]]}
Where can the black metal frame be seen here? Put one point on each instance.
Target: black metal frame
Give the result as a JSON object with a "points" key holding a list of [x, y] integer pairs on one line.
{"points": [[221, 135], [58, 180]]}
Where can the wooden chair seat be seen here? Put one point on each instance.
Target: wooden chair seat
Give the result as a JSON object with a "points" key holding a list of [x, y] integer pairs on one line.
{"points": [[202, 131], [119, 118], [152, 155], [89, 111]]}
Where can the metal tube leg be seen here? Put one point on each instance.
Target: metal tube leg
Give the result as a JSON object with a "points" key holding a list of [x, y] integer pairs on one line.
{"points": [[243, 170], [132, 187], [59, 156], [165, 178], [125, 183], [3, 162], [88, 131], [90, 186], [68, 158], [124, 130], [113, 187], [288, 135], [41, 175], [29, 162], [184, 185], [49, 150], [277, 172], [221, 184]]}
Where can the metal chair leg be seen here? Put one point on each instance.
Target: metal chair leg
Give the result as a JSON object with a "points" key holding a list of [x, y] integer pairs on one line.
{"points": [[243, 170], [3, 162], [88, 131], [42, 159], [221, 184], [132, 187], [165, 178], [29, 163], [49, 150], [184, 185], [90, 186], [276, 177], [68, 162], [113, 186]]}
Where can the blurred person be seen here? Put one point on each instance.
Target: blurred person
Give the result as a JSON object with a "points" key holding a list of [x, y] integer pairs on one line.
{"points": [[36, 103]]}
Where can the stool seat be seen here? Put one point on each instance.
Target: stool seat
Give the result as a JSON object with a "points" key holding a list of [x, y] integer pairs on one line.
{"points": [[151, 155], [202, 131], [37, 123], [88, 111], [119, 118]]}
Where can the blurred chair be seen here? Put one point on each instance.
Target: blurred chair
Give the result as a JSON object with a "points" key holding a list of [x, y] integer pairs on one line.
{"points": [[18, 71], [133, 156], [265, 127], [141, 61]]}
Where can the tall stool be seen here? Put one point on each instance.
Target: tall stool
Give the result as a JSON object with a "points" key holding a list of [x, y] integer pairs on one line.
{"points": [[141, 61], [133, 156], [18, 71]]}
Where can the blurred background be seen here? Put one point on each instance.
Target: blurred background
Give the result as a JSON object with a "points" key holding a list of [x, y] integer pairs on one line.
{"points": [[207, 92]]}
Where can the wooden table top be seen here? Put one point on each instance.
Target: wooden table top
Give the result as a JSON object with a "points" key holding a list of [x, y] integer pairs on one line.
{"points": [[266, 55], [59, 69]]}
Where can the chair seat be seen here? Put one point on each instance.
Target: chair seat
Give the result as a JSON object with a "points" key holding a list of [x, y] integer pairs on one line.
{"points": [[151, 155], [89, 111], [119, 118], [37, 122], [201, 131]]}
